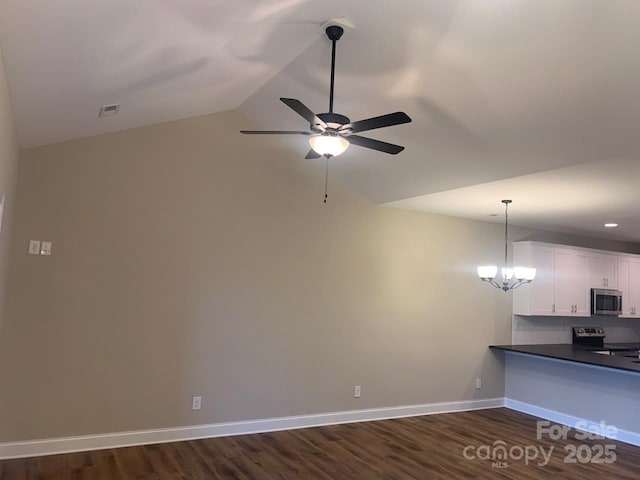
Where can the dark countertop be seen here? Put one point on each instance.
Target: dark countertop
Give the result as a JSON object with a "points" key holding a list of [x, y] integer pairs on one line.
{"points": [[578, 354]]}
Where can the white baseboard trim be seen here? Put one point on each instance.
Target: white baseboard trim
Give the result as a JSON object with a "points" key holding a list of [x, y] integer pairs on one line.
{"points": [[625, 436], [53, 446]]}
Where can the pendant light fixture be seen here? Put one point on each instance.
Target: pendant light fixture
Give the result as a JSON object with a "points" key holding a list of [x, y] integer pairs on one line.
{"points": [[512, 278]]}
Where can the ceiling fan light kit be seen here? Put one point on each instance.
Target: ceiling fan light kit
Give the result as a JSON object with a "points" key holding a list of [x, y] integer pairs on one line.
{"points": [[512, 278], [328, 145], [330, 134]]}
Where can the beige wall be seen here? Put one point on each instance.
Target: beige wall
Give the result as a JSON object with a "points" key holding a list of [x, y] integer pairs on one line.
{"points": [[8, 177], [190, 260]]}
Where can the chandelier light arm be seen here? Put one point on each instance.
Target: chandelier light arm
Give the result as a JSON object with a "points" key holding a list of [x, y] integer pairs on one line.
{"points": [[519, 283], [492, 282], [506, 285]]}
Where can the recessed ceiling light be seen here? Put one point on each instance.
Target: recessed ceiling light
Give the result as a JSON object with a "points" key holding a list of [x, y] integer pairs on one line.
{"points": [[611, 225]]}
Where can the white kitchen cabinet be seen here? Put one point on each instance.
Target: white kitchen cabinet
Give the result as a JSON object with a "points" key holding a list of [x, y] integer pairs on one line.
{"points": [[570, 283], [634, 288], [536, 298], [541, 290], [603, 270], [629, 285], [561, 286]]}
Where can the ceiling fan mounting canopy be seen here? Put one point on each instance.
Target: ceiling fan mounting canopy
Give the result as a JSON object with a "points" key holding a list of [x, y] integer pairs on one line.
{"points": [[331, 133], [334, 32]]}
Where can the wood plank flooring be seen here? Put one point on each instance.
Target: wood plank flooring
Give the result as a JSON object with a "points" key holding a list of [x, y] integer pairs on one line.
{"points": [[428, 447]]}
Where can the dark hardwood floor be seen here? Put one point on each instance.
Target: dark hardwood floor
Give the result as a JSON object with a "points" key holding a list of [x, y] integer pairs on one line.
{"points": [[429, 447]]}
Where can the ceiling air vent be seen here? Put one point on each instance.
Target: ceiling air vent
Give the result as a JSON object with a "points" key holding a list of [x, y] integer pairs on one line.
{"points": [[109, 110]]}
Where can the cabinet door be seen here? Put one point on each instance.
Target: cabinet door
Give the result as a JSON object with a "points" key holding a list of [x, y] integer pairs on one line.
{"points": [[542, 288], [624, 285], [602, 271], [571, 283], [580, 280], [564, 289], [633, 299]]}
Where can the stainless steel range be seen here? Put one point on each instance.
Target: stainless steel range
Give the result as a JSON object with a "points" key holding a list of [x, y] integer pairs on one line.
{"points": [[594, 337], [590, 336]]}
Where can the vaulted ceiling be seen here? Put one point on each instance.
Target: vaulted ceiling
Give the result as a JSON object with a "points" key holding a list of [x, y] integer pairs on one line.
{"points": [[498, 90]]}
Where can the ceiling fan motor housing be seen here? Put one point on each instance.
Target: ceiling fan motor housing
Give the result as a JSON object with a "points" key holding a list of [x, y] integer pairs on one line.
{"points": [[333, 120]]}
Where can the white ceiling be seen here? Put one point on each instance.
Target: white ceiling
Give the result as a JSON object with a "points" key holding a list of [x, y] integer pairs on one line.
{"points": [[551, 200], [497, 89], [161, 59]]}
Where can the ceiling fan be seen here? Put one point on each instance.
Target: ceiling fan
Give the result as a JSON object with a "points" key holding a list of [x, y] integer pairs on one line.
{"points": [[330, 134]]}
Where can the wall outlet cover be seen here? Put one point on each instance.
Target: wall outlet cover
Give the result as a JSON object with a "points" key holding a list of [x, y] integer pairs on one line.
{"points": [[1, 209]]}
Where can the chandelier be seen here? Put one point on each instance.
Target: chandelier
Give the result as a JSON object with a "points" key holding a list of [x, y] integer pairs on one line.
{"points": [[512, 278]]}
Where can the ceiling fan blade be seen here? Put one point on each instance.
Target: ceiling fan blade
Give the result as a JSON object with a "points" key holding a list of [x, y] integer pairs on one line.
{"points": [[274, 132], [313, 154], [388, 120], [302, 110], [375, 144]]}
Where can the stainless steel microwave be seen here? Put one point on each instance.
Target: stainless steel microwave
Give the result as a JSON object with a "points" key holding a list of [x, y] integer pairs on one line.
{"points": [[606, 302]]}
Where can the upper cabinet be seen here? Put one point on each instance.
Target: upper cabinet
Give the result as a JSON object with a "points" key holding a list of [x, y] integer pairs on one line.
{"points": [[603, 270], [565, 276], [561, 286], [629, 285], [538, 297], [571, 288]]}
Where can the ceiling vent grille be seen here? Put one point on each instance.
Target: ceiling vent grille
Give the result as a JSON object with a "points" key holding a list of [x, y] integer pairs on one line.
{"points": [[109, 110]]}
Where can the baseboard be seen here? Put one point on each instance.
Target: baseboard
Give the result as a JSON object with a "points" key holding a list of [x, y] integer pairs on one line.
{"points": [[625, 436], [53, 446]]}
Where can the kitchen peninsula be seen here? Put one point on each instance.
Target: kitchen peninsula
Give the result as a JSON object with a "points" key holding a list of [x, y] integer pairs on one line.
{"points": [[582, 354], [569, 383]]}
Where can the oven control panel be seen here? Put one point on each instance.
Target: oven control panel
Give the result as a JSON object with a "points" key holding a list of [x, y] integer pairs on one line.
{"points": [[590, 336], [582, 332]]}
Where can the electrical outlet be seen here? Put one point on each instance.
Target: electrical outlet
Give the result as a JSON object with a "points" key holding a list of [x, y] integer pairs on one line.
{"points": [[356, 391], [196, 403], [478, 382], [34, 247]]}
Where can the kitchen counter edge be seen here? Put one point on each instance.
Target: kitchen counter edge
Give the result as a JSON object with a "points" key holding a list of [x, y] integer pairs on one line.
{"points": [[573, 353]]}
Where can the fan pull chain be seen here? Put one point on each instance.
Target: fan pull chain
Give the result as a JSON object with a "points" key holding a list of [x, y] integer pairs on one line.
{"points": [[326, 179]]}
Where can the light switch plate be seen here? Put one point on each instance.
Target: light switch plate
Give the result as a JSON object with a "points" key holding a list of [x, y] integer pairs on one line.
{"points": [[34, 247], [1, 209], [45, 248]]}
